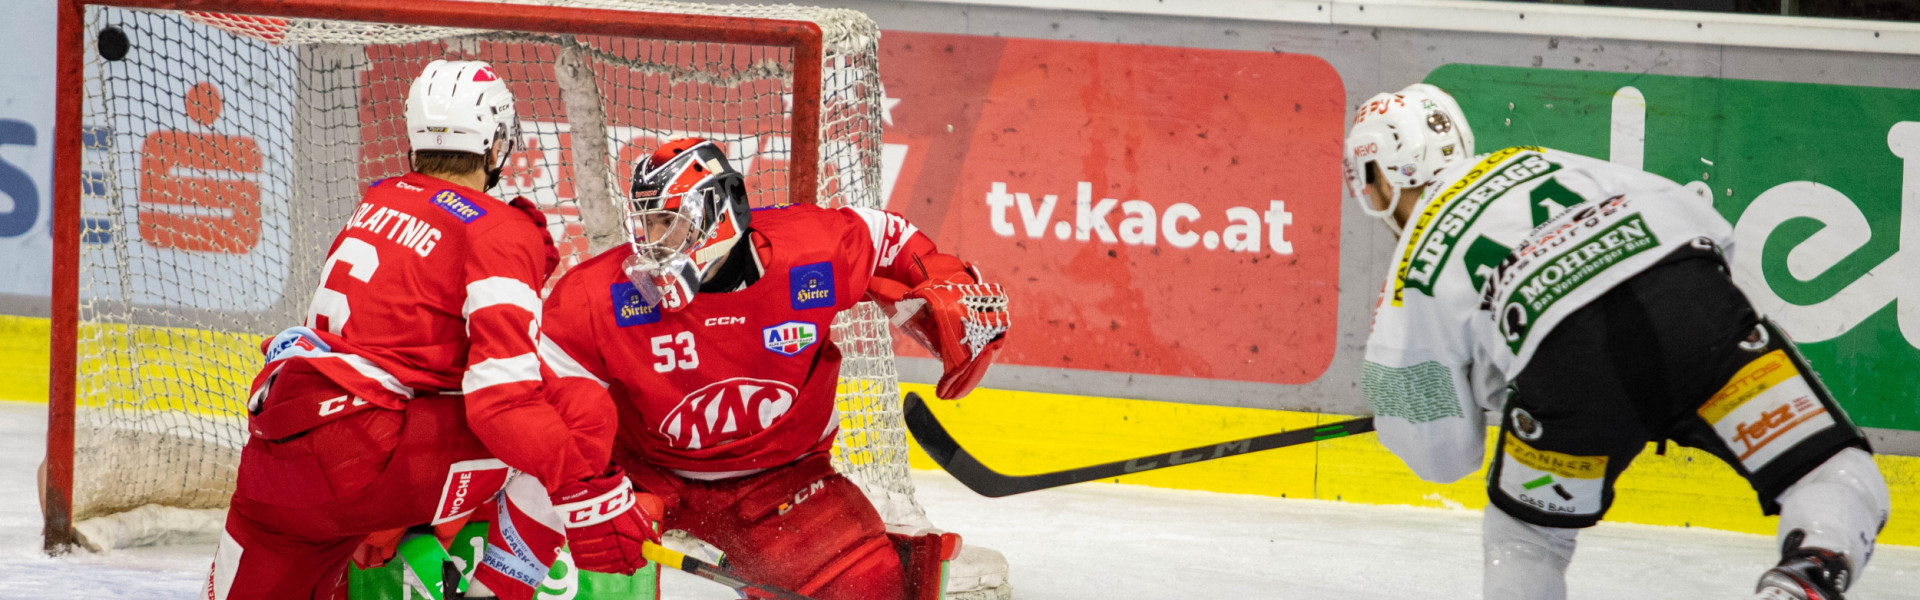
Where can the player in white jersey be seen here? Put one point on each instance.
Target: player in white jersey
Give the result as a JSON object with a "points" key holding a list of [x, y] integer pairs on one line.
{"points": [[1589, 304]]}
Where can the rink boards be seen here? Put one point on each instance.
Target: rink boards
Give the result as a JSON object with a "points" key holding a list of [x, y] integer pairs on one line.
{"points": [[1028, 432]]}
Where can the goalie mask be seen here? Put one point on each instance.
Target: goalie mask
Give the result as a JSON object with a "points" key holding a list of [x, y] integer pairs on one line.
{"points": [[1412, 135], [687, 209]]}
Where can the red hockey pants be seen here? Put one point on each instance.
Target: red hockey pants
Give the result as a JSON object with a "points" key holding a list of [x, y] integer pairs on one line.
{"points": [[802, 527]]}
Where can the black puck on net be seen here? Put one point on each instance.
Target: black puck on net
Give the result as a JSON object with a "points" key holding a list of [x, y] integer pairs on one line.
{"points": [[113, 43]]}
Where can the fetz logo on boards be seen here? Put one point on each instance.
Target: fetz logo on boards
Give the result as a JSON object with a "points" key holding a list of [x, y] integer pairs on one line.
{"points": [[1825, 212], [1447, 216], [459, 206], [790, 338], [1552, 482], [629, 309], [811, 285], [726, 411], [1765, 409]]}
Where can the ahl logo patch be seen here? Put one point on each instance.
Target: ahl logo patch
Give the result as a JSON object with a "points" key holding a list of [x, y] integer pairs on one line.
{"points": [[629, 309], [459, 206], [790, 338], [812, 285]]}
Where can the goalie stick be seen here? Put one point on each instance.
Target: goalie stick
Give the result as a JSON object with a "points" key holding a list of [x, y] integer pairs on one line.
{"points": [[933, 438], [671, 558]]}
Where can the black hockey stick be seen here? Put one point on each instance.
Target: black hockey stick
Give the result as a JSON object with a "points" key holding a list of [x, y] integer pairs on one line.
{"points": [[667, 557], [987, 482]]}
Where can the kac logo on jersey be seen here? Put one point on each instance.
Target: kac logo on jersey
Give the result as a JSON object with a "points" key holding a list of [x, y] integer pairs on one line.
{"points": [[727, 411], [629, 309], [790, 338], [458, 205], [812, 285]]}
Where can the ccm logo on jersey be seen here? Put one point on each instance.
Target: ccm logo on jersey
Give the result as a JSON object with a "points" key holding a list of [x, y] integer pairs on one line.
{"points": [[812, 285], [717, 321], [459, 206], [803, 495], [629, 309], [790, 338], [727, 411], [1766, 408], [334, 405]]}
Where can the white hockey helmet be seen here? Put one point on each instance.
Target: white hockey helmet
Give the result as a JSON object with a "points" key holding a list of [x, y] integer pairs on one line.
{"points": [[1412, 134], [462, 106]]}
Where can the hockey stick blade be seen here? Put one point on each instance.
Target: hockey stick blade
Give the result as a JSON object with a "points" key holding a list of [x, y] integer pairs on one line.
{"points": [[667, 557], [940, 445]]}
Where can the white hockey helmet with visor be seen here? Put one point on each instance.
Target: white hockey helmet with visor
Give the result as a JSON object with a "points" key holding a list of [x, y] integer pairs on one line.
{"points": [[1412, 135]]}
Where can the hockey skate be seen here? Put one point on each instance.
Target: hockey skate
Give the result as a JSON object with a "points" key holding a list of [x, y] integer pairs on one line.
{"points": [[1806, 574]]}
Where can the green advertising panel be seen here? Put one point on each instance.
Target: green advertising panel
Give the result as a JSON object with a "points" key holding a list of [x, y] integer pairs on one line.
{"points": [[1822, 183]]}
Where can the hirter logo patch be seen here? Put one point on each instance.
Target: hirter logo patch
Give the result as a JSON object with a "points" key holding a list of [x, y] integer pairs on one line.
{"points": [[458, 205], [790, 338], [812, 285], [629, 309]]}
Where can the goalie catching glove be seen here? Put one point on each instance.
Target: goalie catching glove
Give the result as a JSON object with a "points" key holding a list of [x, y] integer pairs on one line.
{"points": [[953, 314], [607, 522]]}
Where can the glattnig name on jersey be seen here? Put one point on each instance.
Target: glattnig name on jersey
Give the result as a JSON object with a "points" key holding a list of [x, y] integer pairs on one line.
{"points": [[790, 338], [811, 285], [630, 309], [459, 206]]}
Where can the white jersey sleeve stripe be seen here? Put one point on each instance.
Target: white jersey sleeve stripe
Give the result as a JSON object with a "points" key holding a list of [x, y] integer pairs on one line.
{"points": [[888, 232], [496, 291], [498, 371], [562, 363]]}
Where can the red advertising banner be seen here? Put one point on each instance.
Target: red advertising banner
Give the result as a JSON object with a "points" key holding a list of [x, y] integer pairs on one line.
{"points": [[1152, 210]]}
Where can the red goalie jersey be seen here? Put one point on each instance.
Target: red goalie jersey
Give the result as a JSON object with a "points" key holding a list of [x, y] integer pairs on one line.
{"points": [[737, 382]]}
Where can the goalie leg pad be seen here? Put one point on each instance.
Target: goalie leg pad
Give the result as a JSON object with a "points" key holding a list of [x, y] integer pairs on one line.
{"points": [[926, 558]]}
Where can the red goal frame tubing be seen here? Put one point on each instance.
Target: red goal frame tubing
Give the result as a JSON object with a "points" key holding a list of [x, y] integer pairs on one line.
{"points": [[805, 38]]}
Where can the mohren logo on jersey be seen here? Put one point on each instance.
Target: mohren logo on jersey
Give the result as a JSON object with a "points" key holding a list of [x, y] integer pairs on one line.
{"points": [[727, 411], [790, 338], [629, 308], [458, 205], [812, 285]]}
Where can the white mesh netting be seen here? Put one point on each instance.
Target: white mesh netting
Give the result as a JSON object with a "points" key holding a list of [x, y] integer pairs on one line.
{"points": [[223, 152]]}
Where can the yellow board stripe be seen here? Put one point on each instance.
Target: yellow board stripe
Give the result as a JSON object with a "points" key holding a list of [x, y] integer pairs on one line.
{"points": [[1030, 432], [1758, 376]]}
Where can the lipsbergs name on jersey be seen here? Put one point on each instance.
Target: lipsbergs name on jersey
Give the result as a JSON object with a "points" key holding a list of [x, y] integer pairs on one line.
{"points": [[811, 285], [727, 411], [459, 206], [790, 338], [629, 309]]}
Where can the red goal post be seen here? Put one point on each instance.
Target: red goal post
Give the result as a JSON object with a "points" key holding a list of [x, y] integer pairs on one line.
{"points": [[804, 181]]}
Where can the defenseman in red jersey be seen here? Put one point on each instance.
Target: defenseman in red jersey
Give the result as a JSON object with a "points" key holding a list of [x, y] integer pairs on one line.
{"points": [[415, 377], [710, 332]]}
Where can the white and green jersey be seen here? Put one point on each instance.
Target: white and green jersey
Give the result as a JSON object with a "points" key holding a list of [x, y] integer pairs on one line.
{"points": [[1502, 249]]}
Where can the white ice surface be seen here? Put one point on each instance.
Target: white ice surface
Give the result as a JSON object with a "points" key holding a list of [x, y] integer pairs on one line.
{"points": [[1092, 541]]}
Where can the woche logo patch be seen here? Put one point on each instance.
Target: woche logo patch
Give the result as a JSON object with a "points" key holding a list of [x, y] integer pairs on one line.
{"points": [[790, 338], [812, 285]]}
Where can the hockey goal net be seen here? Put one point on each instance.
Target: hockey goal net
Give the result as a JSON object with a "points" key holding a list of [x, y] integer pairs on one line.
{"points": [[210, 152]]}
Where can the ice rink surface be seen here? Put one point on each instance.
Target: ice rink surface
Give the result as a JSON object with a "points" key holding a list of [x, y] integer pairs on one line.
{"points": [[1091, 541]]}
